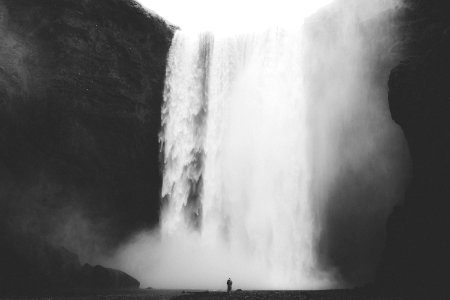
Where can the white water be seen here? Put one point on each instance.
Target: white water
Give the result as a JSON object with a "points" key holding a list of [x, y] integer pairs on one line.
{"points": [[257, 131], [252, 143]]}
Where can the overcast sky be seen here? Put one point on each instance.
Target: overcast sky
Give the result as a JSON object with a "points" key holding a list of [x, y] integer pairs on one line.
{"points": [[232, 15]]}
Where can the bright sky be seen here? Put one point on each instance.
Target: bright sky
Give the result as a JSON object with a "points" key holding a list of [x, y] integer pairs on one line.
{"points": [[230, 16]]}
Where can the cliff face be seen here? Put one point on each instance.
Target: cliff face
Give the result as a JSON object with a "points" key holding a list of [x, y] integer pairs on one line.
{"points": [[417, 252], [81, 84], [80, 95]]}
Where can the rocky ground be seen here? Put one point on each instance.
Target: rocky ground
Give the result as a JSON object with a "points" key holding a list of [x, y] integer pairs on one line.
{"points": [[185, 295], [301, 295]]}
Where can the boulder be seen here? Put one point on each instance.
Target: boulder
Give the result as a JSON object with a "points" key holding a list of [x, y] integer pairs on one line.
{"points": [[32, 265]]}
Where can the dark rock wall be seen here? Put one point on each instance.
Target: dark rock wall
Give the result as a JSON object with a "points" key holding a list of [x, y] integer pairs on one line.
{"points": [[80, 94], [418, 245], [81, 85]]}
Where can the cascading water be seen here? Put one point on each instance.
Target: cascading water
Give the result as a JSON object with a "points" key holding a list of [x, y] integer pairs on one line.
{"points": [[280, 159], [235, 149]]}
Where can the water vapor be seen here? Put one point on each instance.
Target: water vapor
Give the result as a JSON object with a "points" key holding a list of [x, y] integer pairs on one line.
{"points": [[281, 162]]}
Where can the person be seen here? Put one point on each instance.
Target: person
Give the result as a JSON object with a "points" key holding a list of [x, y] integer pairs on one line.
{"points": [[229, 284]]}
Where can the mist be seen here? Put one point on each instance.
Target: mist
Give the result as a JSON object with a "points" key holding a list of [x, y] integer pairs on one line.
{"points": [[281, 161]]}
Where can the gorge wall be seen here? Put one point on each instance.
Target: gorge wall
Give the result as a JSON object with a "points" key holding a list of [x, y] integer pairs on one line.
{"points": [[80, 95], [417, 252], [80, 101]]}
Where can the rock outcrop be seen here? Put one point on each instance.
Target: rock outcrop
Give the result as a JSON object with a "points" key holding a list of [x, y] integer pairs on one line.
{"points": [[417, 252], [81, 86], [35, 266]]}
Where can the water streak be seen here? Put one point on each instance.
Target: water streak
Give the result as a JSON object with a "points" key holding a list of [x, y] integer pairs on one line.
{"points": [[235, 149], [281, 162]]}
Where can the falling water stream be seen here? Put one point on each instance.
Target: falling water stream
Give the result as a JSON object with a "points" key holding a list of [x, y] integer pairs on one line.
{"points": [[280, 159], [235, 148]]}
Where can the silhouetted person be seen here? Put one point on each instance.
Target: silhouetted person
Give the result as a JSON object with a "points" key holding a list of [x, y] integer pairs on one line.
{"points": [[229, 284]]}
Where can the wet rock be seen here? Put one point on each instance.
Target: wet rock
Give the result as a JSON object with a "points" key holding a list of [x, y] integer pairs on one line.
{"points": [[419, 97], [99, 277], [34, 265], [81, 85]]}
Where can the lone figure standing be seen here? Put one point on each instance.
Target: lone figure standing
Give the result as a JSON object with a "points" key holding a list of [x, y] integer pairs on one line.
{"points": [[229, 284]]}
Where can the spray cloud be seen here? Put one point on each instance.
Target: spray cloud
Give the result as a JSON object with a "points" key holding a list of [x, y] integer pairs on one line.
{"points": [[262, 133]]}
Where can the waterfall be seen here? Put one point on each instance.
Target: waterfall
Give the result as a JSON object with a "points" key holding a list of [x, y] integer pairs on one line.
{"points": [[235, 149], [280, 159]]}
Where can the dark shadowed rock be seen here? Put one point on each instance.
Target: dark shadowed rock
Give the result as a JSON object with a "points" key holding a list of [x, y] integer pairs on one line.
{"points": [[105, 278], [417, 252], [80, 94], [81, 84], [35, 266]]}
